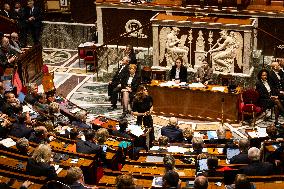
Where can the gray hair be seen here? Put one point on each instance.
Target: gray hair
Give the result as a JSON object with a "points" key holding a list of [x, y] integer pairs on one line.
{"points": [[42, 154], [254, 154]]}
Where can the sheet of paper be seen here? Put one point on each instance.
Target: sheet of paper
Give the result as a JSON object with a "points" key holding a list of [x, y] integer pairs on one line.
{"points": [[252, 134], [59, 170], [220, 150], [221, 89], [196, 85], [177, 149], [169, 84], [154, 159], [8, 142], [75, 110], [155, 148], [135, 130], [261, 132], [56, 167], [74, 161]]}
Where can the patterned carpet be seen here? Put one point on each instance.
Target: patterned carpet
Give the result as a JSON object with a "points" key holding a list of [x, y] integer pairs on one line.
{"points": [[90, 92]]}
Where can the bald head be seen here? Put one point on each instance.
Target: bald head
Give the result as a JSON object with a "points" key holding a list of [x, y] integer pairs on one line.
{"points": [[200, 182], [5, 43], [173, 121], [275, 66]]}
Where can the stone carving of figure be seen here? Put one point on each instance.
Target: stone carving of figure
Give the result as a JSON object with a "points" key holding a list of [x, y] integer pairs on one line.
{"points": [[224, 54], [175, 47]]}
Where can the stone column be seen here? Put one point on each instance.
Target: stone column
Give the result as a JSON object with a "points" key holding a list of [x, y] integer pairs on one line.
{"points": [[100, 28], [156, 41], [255, 35], [247, 51]]}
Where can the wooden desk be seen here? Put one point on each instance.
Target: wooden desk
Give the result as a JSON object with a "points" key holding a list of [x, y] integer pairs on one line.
{"points": [[30, 64], [200, 104]]}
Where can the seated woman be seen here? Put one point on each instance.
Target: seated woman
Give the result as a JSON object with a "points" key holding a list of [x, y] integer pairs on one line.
{"points": [[268, 95], [178, 72], [129, 87], [39, 163]]}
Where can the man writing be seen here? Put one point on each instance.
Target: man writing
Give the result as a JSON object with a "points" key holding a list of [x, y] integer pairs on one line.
{"points": [[204, 73]]}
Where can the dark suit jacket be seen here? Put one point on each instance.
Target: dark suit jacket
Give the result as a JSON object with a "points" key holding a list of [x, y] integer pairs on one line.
{"points": [[174, 134], [77, 185], [87, 147], [20, 130], [264, 96], [40, 169], [120, 76], [121, 134], [3, 59], [274, 81], [2, 102], [134, 84], [257, 168], [241, 158], [3, 13], [182, 73], [80, 124], [34, 138], [37, 14]]}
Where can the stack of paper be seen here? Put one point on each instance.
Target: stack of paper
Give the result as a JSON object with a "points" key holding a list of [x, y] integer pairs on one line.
{"points": [[177, 149], [8, 142], [154, 159], [221, 89], [135, 130], [169, 84], [196, 85]]}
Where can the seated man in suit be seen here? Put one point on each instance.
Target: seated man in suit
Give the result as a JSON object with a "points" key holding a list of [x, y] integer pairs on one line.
{"points": [[256, 167], [22, 145], [80, 121], [276, 76], [40, 135], [22, 128], [114, 86], [172, 131], [88, 146], [242, 158], [32, 96], [123, 124], [204, 74], [74, 178]]}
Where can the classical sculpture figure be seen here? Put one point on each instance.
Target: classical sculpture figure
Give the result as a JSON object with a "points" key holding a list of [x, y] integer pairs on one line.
{"points": [[224, 55], [171, 46]]}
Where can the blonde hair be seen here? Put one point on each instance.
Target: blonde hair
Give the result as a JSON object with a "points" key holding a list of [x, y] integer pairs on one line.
{"points": [[102, 135], [132, 66], [42, 154]]}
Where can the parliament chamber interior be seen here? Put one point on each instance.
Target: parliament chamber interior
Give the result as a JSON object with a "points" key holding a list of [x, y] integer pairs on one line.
{"points": [[133, 94]]}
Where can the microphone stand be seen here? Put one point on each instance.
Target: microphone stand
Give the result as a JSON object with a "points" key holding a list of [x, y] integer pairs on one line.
{"points": [[222, 111]]}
